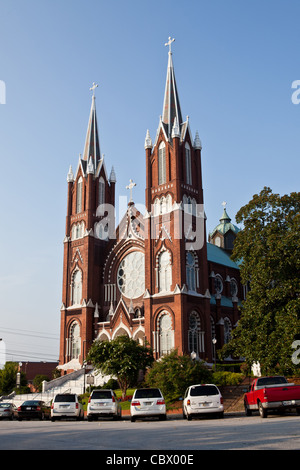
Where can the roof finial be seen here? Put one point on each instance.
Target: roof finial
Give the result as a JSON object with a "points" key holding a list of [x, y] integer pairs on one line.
{"points": [[169, 44], [93, 88]]}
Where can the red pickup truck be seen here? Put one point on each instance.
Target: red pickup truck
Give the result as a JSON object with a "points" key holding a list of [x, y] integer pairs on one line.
{"points": [[271, 394]]}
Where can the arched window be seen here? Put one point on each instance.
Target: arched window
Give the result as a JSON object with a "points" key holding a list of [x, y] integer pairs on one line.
{"points": [[75, 340], [163, 205], [101, 191], [79, 196], [165, 334], [76, 287], [218, 282], [191, 271], [164, 272], [162, 163], [156, 207], [188, 164], [195, 336], [233, 287], [168, 202], [227, 330]]}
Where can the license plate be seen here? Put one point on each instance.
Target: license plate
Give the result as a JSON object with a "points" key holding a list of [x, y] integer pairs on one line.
{"points": [[28, 407], [148, 403], [287, 403]]}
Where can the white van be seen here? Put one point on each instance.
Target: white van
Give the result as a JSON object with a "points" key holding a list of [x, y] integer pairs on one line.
{"points": [[147, 402], [201, 399], [66, 405], [103, 403]]}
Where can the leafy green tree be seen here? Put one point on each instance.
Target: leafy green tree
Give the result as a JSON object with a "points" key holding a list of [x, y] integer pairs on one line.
{"points": [[268, 249], [38, 382], [8, 377], [173, 373], [122, 358]]}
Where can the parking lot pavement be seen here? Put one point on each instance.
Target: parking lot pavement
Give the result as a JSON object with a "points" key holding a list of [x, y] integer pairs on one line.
{"points": [[234, 432]]}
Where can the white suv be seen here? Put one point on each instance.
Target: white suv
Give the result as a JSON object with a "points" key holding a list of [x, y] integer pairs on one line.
{"points": [[103, 403], [147, 402], [201, 399], [66, 405]]}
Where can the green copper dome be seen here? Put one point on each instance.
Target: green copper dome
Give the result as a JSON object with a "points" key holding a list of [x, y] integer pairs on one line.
{"points": [[225, 225]]}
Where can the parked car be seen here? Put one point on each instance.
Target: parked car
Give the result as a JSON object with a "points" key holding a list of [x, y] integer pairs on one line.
{"points": [[66, 405], [8, 411], [147, 402], [103, 403], [200, 399], [31, 409], [271, 394]]}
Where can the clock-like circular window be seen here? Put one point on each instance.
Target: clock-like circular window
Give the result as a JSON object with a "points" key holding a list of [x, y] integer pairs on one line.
{"points": [[131, 275]]}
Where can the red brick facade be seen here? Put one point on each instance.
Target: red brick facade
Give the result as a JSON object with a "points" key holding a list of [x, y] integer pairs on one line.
{"points": [[174, 304]]}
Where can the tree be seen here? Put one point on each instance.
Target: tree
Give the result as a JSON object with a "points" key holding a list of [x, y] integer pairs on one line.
{"points": [[8, 377], [38, 382], [268, 249], [122, 358], [173, 373]]}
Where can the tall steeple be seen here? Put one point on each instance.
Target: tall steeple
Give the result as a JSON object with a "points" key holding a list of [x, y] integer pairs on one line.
{"points": [[171, 106], [92, 145]]}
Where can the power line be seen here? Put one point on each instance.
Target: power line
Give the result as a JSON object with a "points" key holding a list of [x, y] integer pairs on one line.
{"points": [[16, 351], [28, 333]]}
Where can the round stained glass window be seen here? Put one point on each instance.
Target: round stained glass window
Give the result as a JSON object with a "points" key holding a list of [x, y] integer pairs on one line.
{"points": [[131, 275]]}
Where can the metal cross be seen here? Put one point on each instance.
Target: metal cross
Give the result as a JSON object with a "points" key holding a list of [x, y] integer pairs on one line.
{"points": [[169, 43], [93, 88], [224, 204], [131, 186]]}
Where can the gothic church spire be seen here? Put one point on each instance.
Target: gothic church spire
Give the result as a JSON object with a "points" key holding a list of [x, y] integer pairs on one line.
{"points": [[171, 106], [92, 145]]}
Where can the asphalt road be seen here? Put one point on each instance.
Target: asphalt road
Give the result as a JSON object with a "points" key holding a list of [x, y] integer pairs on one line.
{"points": [[234, 432]]}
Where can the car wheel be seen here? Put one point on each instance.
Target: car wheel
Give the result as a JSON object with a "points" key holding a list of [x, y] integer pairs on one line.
{"points": [[262, 412], [132, 419], [248, 412], [162, 417], [189, 417]]}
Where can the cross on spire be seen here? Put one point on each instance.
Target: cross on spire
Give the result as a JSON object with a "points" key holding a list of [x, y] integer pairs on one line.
{"points": [[169, 44], [93, 88], [130, 187]]}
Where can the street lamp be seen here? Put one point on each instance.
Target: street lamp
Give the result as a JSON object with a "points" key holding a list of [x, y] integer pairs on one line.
{"points": [[214, 341]]}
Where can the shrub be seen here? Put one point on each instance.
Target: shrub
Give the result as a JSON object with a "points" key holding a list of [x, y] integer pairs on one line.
{"points": [[222, 378], [174, 373]]}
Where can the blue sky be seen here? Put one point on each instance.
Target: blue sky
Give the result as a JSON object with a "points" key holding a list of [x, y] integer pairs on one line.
{"points": [[234, 61]]}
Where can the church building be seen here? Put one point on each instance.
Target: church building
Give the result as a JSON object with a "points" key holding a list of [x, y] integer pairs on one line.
{"points": [[156, 277]]}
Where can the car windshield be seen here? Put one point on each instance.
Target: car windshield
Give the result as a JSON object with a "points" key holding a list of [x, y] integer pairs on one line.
{"points": [[65, 398], [101, 394], [31, 403], [203, 390], [147, 393], [4, 405]]}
